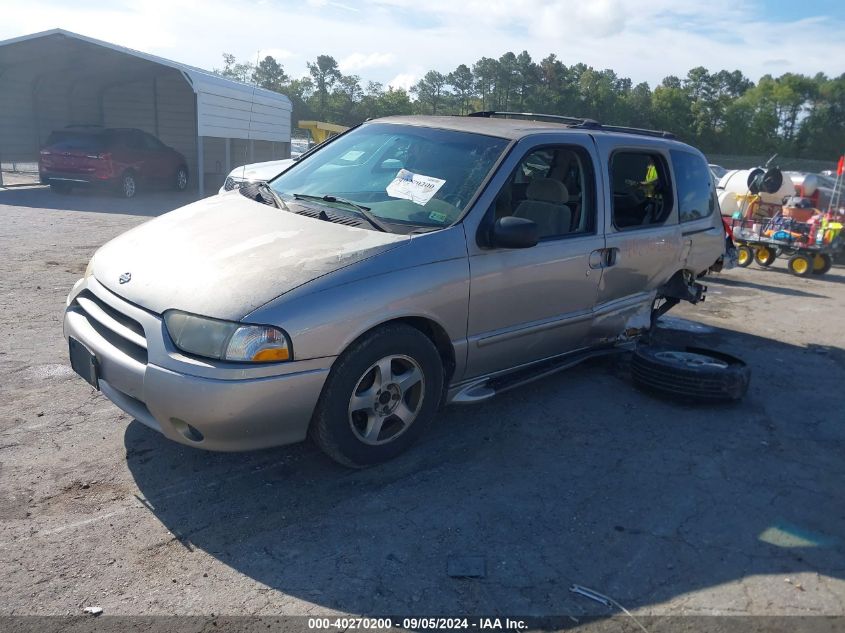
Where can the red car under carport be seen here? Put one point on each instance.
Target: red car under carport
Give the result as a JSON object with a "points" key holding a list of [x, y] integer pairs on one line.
{"points": [[121, 158]]}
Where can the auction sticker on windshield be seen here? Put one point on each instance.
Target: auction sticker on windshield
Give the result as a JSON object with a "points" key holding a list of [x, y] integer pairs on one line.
{"points": [[414, 187]]}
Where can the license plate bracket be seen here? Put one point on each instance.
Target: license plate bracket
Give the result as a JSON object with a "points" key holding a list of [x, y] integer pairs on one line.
{"points": [[83, 362]]}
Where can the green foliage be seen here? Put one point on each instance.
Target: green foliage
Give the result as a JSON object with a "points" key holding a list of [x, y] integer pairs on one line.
{"points": [[233, 70], [722, 112], [430, 92], [270, 75]]}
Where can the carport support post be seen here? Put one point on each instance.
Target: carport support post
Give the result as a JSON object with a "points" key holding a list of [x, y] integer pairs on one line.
{"points": [[200, 168], [228, 155]]}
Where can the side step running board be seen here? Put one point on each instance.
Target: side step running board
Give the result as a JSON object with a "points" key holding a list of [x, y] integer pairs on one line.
{"points": [[486, 388]]}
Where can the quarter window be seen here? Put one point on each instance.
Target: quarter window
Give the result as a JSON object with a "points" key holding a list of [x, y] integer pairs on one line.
{"points": [[555, 188], [696, 195], [642, 194], [151, 142]]}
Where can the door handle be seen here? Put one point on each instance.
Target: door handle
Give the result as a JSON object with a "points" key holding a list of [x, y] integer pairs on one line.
{"points": [[603, 258]]}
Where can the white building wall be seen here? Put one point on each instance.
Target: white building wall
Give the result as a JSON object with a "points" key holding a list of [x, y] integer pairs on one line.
{"points": [[237, 113]]}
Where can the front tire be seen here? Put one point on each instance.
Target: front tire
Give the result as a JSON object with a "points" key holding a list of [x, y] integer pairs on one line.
{"points": [[379, 397]]}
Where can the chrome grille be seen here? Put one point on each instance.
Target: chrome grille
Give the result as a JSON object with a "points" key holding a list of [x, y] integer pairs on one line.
{"points": [[122, 331]]}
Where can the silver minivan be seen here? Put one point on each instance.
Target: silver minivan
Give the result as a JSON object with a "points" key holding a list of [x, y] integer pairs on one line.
{"points": [[410, 262]]}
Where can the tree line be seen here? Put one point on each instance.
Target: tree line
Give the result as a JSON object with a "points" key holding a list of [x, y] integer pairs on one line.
{"points": [[722, 112]]}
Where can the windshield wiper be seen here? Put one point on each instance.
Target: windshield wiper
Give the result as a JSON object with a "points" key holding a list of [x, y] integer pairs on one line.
{"points": [[281, 204], [361, 209]]}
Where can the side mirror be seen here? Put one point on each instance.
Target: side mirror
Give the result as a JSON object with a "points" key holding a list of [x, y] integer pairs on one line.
{"points": [[513, 232]]}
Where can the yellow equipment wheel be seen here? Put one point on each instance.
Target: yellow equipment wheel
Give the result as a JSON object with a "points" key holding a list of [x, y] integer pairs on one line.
{"points": [[765, 256], [744, 256], [822, 262], [801, 265]]}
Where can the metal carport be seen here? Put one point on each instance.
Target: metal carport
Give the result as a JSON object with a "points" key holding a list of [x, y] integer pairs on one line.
{"points": [[56, 78]]}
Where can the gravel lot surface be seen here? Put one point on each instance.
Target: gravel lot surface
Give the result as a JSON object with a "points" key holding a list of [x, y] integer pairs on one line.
{"points": [[579, 478]]}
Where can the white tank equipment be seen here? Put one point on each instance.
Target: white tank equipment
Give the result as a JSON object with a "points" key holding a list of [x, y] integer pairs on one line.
{"points": [[810, 184], [769, 184]]}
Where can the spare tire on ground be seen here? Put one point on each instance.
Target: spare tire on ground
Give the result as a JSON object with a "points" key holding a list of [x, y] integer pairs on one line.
{"points": [[691, 373]]}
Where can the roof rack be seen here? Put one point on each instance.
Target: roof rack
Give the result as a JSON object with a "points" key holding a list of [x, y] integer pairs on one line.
{"points": [[637, 130], [572, 121]]}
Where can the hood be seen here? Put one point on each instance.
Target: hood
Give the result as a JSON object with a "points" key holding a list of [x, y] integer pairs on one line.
{"points": [[226, 255], [261, 171]]}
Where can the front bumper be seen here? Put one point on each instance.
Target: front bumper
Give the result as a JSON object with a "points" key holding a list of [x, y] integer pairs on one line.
{"points": [[207, 404]]}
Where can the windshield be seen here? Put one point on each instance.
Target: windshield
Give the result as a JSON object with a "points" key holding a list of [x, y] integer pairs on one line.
{"points": [[403, 174]]}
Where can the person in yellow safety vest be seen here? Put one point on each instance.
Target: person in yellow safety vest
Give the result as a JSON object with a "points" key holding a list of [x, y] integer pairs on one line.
{"points": [[651, 180], [651, 172]]}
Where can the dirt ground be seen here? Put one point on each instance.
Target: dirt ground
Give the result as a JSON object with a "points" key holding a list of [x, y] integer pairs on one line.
{"points": [[579, 478]]}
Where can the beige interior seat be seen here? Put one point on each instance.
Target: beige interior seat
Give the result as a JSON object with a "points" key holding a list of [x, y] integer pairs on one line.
{"points": [[564, 160], [545, 205]]}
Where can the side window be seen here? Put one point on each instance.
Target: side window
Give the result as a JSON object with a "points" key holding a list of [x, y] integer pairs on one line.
{"points": [[696, 197], [151, 142], [555, 188], [642, 194], [134, 140]]}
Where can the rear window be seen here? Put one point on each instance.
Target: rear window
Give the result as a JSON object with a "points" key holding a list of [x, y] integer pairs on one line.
{"points": [[696, 195], [642, 192], [71, 140]]}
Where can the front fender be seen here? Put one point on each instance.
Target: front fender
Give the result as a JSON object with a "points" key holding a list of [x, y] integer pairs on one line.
{"points": [[430, 280]]}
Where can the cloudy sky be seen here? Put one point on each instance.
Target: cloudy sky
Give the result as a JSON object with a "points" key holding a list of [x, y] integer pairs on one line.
{"points": [[396, 41]]}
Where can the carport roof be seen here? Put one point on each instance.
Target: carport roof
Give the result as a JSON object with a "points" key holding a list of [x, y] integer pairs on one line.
{"points": [[24, 50]]}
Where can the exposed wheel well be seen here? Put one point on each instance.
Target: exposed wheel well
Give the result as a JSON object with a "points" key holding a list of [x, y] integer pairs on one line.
{"points": [[437, 335], [680, 287]]}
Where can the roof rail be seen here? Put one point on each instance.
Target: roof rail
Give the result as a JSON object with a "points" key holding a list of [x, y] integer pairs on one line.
{"points": [[572, 121], [554, 118], [638, 130]]}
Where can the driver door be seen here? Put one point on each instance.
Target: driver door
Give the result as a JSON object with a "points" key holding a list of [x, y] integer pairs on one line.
{"points": [[534, 303]]}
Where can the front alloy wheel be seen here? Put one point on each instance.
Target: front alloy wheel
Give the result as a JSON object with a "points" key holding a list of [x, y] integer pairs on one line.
{"points": [[379, 397], [387, 399]]}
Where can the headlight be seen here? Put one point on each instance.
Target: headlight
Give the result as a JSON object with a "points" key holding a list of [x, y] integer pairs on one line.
{"points": [[227, 340]]}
